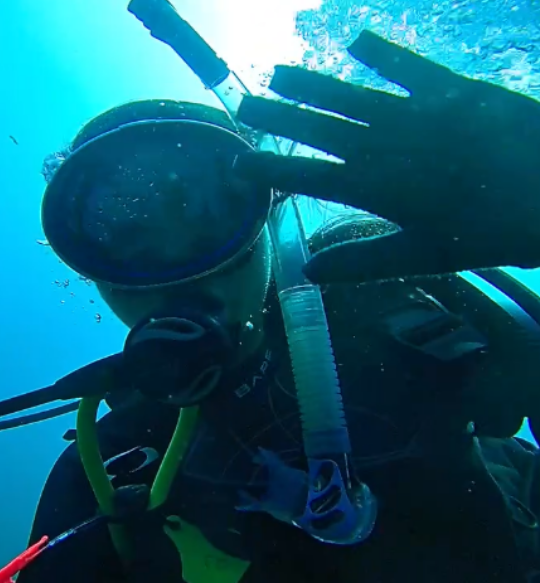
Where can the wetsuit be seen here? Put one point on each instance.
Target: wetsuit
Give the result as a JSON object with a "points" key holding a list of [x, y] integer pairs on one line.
{"points": [[454, 508]]}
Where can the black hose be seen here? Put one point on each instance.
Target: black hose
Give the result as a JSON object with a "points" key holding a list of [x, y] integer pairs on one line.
{"points": [[41, 416], [165, 24]]}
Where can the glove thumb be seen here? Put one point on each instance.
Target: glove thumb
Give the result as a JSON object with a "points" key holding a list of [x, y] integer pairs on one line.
{"points": [[407, 253]]}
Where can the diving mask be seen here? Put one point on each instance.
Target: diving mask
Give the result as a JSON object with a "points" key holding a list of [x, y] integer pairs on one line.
{"points": [[153, 203]]}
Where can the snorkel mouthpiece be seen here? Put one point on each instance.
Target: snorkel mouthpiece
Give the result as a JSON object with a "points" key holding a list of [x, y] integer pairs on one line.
{"points": [[318, 502], [178, 356], [334, 512]]}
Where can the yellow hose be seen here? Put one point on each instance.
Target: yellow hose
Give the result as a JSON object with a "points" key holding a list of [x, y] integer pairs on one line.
{"points": [[92, 462], [173, 457]]}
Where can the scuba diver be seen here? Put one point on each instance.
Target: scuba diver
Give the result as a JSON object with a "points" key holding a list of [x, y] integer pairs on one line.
{"points": [[217, 462]]}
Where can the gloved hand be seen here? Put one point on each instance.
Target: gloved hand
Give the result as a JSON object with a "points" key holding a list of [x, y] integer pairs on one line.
{"points": [[456, 165]]}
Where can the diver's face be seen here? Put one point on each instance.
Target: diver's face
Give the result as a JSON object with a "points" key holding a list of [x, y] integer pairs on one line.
{"points": [[240, 289]]}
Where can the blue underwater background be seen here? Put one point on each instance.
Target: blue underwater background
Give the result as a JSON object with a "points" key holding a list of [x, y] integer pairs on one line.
{"points": [[62, 62]]}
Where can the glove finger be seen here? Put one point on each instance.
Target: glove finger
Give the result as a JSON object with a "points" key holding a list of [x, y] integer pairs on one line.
{"points": [[329, 134], [399, 65], [404, 254], [375, 186], [331, 94], [313, 177]]}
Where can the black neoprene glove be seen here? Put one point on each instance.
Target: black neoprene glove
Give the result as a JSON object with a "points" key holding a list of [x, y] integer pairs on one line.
{"points": [[456, 165]]}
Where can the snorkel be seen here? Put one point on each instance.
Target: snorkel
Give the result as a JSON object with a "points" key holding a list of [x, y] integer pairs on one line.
{"points": [[336, 508], [326, 501]]}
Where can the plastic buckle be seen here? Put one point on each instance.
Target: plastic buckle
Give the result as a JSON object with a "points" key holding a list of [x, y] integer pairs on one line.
{"points": [[429, 328]]}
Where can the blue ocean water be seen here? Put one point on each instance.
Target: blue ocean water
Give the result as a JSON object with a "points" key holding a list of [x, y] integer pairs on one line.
{"points": [[62, 62]]}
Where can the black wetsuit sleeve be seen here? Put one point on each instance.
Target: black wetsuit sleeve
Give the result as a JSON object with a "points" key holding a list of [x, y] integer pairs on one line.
{"points": [[66, 501]]}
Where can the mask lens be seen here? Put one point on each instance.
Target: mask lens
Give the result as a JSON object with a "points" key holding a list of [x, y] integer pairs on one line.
{"points": [[153, 203]]}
